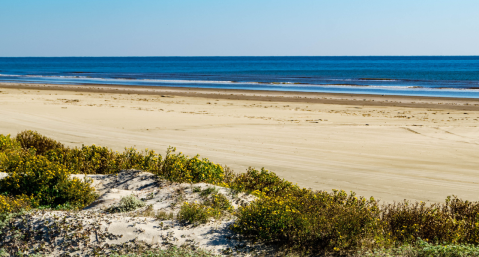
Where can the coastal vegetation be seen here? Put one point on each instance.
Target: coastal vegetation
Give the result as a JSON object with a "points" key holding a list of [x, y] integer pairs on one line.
{"points": [[295, 219], [127, 204]]}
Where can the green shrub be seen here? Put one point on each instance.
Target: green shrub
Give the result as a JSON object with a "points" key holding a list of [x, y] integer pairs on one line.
{"points": [[313, 221], [262, 182], [48, 182], [16, 204], [6, 142], [102, 160], [195, 213], [13, 206], [180, 168], [127, 203], [219, 202], [215, 205], [32, 139], [454, 221]]}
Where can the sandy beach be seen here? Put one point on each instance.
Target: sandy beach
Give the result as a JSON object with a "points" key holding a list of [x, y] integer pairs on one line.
{"points": [[389, 147]]}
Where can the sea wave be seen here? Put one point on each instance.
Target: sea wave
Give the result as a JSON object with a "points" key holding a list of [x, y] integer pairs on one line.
{"points": [[275, 84]]}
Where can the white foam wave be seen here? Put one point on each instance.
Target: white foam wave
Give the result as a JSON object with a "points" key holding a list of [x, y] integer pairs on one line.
{"points": [[227, 82]]}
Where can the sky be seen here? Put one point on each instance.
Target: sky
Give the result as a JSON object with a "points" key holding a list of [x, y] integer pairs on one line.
{"points": [[238, 28]]}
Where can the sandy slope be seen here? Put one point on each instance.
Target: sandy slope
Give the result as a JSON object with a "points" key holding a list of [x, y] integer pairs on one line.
{"points": [[105, 230], [390, 152]]}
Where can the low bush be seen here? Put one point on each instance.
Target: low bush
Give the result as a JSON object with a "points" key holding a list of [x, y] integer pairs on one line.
{"points": [[93, 159], [102, 160], [6, 142], [127, 204], [215, 205], [195, 213], [179, 168], [261, 182], [455, 221], [32, 139], [219, 202], [49, 183], [10, 204], [314, 221]]}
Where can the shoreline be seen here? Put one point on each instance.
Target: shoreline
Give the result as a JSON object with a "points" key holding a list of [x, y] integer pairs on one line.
{"points": [[470, 104]]}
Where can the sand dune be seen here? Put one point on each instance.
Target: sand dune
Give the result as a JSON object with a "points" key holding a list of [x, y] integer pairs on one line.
{"points": [[110, 231]]}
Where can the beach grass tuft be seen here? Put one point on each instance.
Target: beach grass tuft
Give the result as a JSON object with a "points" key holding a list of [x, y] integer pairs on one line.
{"points": [[127, 204]]}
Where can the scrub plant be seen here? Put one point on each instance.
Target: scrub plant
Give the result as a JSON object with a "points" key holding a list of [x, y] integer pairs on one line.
{"points": [[7, 142], [49, 183], [18, 204], [455, 221], [313, 221], [32, 139], [179, 168], [93, 159], [261, 182], [195, 213], [219, 201], [126, 204], [102, 160]]}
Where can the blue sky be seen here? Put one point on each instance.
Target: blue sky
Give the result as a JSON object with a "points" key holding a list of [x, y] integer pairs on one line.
{"points": [[238, 28]]}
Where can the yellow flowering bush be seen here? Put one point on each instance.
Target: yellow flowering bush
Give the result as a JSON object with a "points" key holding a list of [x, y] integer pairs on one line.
{"points": [[316, 220], [86, 160], [16, 204], [179, 168], [261, 182], [455, 221], [6, 142], [48, 182], [219, 202], [32, 139], [102, 160], [146, 160]]}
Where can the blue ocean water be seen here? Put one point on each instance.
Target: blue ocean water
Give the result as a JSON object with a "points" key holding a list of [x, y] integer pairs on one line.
{"points": [[451, 76]]}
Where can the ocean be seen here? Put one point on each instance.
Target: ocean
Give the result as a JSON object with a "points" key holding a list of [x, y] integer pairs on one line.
{"points": [[439, 76]]}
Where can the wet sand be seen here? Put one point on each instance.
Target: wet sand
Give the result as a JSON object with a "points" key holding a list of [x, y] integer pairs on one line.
{"points": [[389, 147]]}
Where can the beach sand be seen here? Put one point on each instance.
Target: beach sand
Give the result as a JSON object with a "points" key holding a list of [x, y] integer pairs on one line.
{"points": [[106, 230], [389, 147]]}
